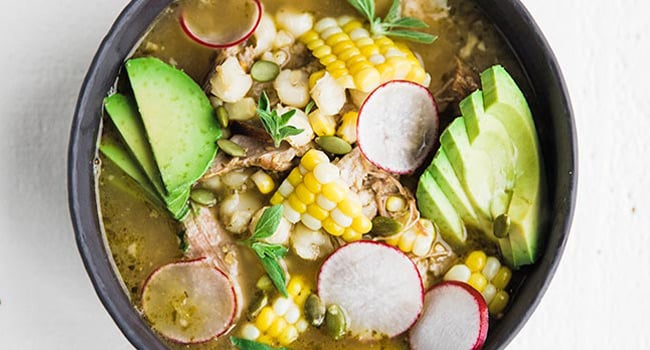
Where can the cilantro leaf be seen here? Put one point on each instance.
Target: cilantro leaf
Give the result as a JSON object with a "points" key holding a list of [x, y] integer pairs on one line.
{"points": [[245, 344], [268, 222], [275, 124], [276, 274]]}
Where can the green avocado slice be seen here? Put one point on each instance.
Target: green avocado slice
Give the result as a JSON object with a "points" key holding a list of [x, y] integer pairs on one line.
{"points": [[178, 119], [504, 100], [435, 206]]}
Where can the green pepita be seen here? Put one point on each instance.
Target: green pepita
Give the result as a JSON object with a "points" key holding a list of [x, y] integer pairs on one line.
{"points": [[203, 197], [222, 116], [260, 300], [264, 71], [501, 226], [230, 148], [315, 310], [335, 321], [384, 227], [334, 145]]}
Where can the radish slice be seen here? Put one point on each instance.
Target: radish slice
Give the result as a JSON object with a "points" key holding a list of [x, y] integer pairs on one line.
{"points": [[189, 302], [398, 126], [221, 23], [455, 317], [377, 286]]}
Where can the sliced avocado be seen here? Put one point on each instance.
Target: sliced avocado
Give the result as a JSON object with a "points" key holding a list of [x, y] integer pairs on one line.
{"points": [[491, 137], [435, 206], [504, 100], [443, 172], [114, 151], [179, 121], [471, 166]]}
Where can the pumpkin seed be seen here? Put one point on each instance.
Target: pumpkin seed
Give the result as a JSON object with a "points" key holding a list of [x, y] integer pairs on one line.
{"points": [[264, 283], [335, 321], [315, 310], [259, 302], [203, 197], [230, 148], [222, 116], [501, 226], [334, 145], [384, 227], [264, 71]]}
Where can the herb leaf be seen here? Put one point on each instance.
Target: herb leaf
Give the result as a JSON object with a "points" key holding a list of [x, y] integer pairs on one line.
{"points": [[268, 223], [393, 20], [245, 344], [276, 125]]}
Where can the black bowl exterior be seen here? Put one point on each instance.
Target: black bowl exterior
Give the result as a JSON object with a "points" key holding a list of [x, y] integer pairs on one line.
{"points": [[553, 118]]}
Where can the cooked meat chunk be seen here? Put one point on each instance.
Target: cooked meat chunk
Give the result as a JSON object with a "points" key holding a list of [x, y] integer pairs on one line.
{"points": [[460, 82]]}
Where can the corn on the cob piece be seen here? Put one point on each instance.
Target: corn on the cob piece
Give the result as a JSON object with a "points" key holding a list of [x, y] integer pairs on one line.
{"points": [[348, 128], [314, 194], [282, 321], [487, 276], [417, 240], [358, 60]]}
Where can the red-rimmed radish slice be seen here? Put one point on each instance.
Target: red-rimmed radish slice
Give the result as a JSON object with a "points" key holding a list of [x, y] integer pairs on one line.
{"points": [[378, 287], [189, 301], [398, 126], [455, 316], [221, 23]]}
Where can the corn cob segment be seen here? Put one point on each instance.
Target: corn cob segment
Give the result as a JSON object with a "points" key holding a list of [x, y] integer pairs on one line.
{"points": [[314, 194], [417, 240], [282, 321], [487, 276], [358, 60]]}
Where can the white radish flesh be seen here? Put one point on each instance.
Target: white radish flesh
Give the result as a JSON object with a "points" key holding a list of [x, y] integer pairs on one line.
{"points": [[455, 316], [378, 286], [398, 126], [189, 302]]}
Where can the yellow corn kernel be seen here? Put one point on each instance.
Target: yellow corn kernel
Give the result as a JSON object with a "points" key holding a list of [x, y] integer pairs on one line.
{"points": [[263, 181], [332, 227], [289, 335], [277, 199], [304, 195], [301, 297], [317, 212], [334, 192], [316, 76], [339, 73], [346, 81], [309, 37], [342, 47], [337, 38], [312, 184], [352, 25], [351, 235], [359, 66], [422, 244], [478, 281], [297, 204], [323, 125], [265, 339], [350, 206], [327, 60], [345, 55], [277, 327], [295, 177], [393, 240], [417, 75], [265, 319], [383, 41], [312, 158], [401, 65], [336, 65], [499, 302], [395, 204], [295, 285], [313, 45], [361, 224], [502, 278], [386, 71], [407, 240], [354, 60], [250, 332], [348, 128], [363, 42], [367, 80], [322, 51], [369, 50], [476, 260]]}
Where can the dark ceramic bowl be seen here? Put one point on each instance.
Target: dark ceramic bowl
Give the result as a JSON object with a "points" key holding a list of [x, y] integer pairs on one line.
{"points": [[551, 108]]}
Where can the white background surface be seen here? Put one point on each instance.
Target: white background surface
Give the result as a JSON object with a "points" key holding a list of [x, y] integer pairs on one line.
{"points": [[598, 299]]}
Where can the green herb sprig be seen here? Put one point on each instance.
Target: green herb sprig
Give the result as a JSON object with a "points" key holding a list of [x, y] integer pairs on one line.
{"points": [[245, 344], [393, 25], [276, 125], [270, 254]]}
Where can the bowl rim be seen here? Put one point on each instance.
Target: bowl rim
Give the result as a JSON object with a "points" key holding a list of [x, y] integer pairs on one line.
{"points": [[83, 203]]}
